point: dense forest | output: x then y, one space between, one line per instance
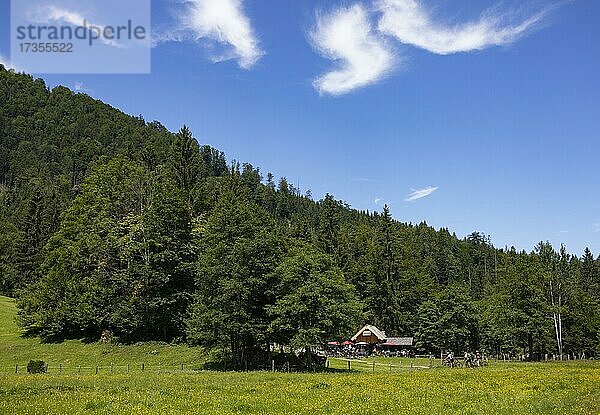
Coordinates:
114 226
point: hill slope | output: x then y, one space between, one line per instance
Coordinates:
17 350
112 224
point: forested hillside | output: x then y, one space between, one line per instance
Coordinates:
114 226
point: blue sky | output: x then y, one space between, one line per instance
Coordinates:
489 110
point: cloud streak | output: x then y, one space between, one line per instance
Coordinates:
81 88
596 226
410 23
345 36
224 22
420 194
55 14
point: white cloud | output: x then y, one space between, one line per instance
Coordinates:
222 21
50 14
345 35
419 194
80 87
379 201
412 24
596 226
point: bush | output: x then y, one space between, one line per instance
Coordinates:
37 366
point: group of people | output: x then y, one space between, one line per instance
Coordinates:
469 360
357 352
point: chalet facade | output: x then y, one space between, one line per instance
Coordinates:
372 336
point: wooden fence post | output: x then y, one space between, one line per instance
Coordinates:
143 366
97 369
79 369
16 369
349 366
272 365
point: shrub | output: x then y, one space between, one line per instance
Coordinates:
37 366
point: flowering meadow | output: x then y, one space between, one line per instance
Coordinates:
106 379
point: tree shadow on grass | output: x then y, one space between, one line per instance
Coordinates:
277 362
84 337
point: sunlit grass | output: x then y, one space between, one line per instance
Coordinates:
561 390
71 354
394 388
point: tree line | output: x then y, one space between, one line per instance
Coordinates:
113 224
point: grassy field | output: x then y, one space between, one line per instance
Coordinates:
15 350
549 388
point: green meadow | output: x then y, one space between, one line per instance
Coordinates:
163 387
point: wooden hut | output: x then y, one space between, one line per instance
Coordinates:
369 334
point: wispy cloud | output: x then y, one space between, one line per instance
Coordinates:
419 194
49 14
53 13
596 226
81 88
345 35
379 201
221 21
411 23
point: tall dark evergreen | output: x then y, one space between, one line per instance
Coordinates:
185 161
590 274
329 224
